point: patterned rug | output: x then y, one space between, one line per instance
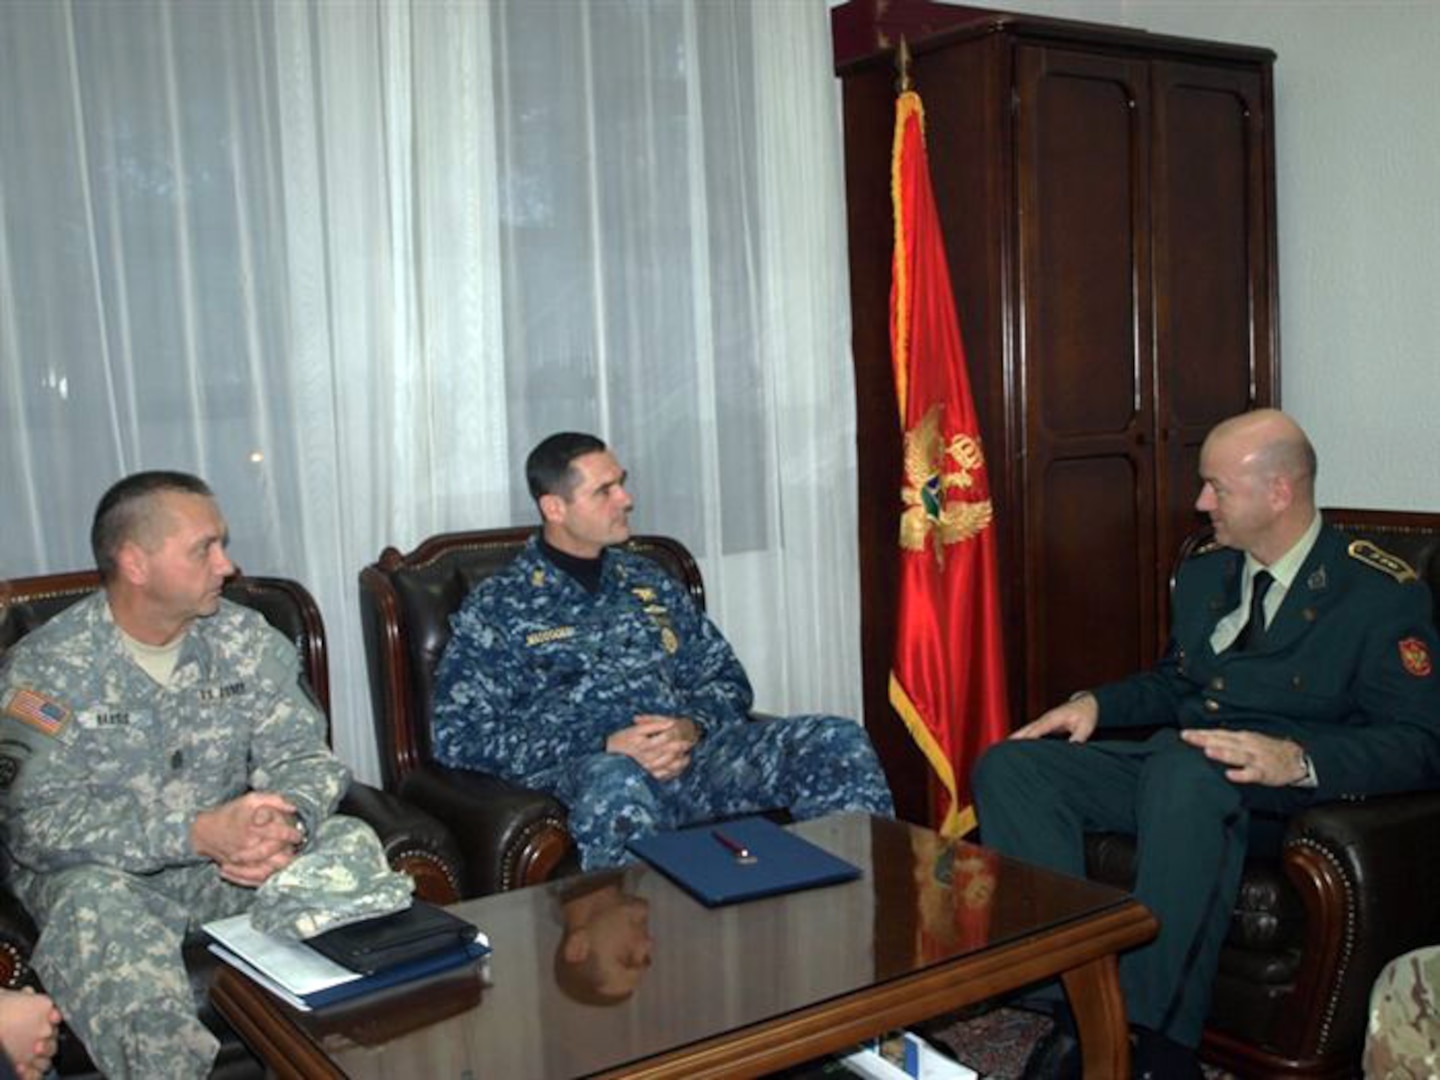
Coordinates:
994 1041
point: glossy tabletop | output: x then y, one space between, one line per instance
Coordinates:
647 981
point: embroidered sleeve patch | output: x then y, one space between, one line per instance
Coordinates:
1415 656
40 712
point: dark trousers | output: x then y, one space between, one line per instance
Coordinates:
1037 799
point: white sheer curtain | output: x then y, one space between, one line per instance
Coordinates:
349 260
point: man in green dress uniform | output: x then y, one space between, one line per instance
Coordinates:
1300 669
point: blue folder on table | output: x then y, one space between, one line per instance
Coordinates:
707 861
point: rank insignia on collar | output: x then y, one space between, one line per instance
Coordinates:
1415 657
40 712
1317 580
537 577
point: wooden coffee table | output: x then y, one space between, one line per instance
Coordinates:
657 985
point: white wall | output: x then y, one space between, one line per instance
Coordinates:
1357 146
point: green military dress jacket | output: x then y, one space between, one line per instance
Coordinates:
1346 667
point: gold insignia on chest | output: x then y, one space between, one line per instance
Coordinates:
1378 558
669 640
537 577
555 633
644 594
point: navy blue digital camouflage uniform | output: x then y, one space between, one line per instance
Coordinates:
539 672
1345 669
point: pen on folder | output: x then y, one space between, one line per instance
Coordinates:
740 851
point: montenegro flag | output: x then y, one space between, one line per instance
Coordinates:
947 681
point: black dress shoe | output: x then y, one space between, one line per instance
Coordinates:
1057 1055
1159 1058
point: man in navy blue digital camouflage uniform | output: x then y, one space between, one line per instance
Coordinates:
587 671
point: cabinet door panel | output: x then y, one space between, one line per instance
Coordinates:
1089 550
1211 224
1088 591
1083 203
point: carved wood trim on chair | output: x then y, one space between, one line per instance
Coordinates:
434 878
540 850
392 689
1329 898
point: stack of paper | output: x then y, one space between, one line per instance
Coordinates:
299 975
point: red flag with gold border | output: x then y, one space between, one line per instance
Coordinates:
947 680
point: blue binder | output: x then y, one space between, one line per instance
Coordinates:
741 860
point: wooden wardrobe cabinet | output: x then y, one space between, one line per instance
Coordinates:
1107 203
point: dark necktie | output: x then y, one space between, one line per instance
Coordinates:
1253 632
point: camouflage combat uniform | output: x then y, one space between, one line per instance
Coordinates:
102 772
540 672
1403 1039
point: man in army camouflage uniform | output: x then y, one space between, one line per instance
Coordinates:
1403 1039
586 671
161 765
1301 668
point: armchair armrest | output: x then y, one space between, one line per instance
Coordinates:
509 836
414 842
1367 872
17 939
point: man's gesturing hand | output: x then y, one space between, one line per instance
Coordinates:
249 838
1255 758
1077 718
660 744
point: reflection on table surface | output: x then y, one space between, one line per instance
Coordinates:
593 972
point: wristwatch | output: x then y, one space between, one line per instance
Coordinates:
1309 780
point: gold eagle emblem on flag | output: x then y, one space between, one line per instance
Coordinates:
934 469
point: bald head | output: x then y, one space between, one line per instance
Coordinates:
1258 482
1273 446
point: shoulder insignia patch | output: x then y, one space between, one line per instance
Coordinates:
44 714
1208 547
1379 559
1415 657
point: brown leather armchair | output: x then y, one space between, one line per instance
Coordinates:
414 842
512 836
1354 885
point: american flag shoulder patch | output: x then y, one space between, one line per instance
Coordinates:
40 712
